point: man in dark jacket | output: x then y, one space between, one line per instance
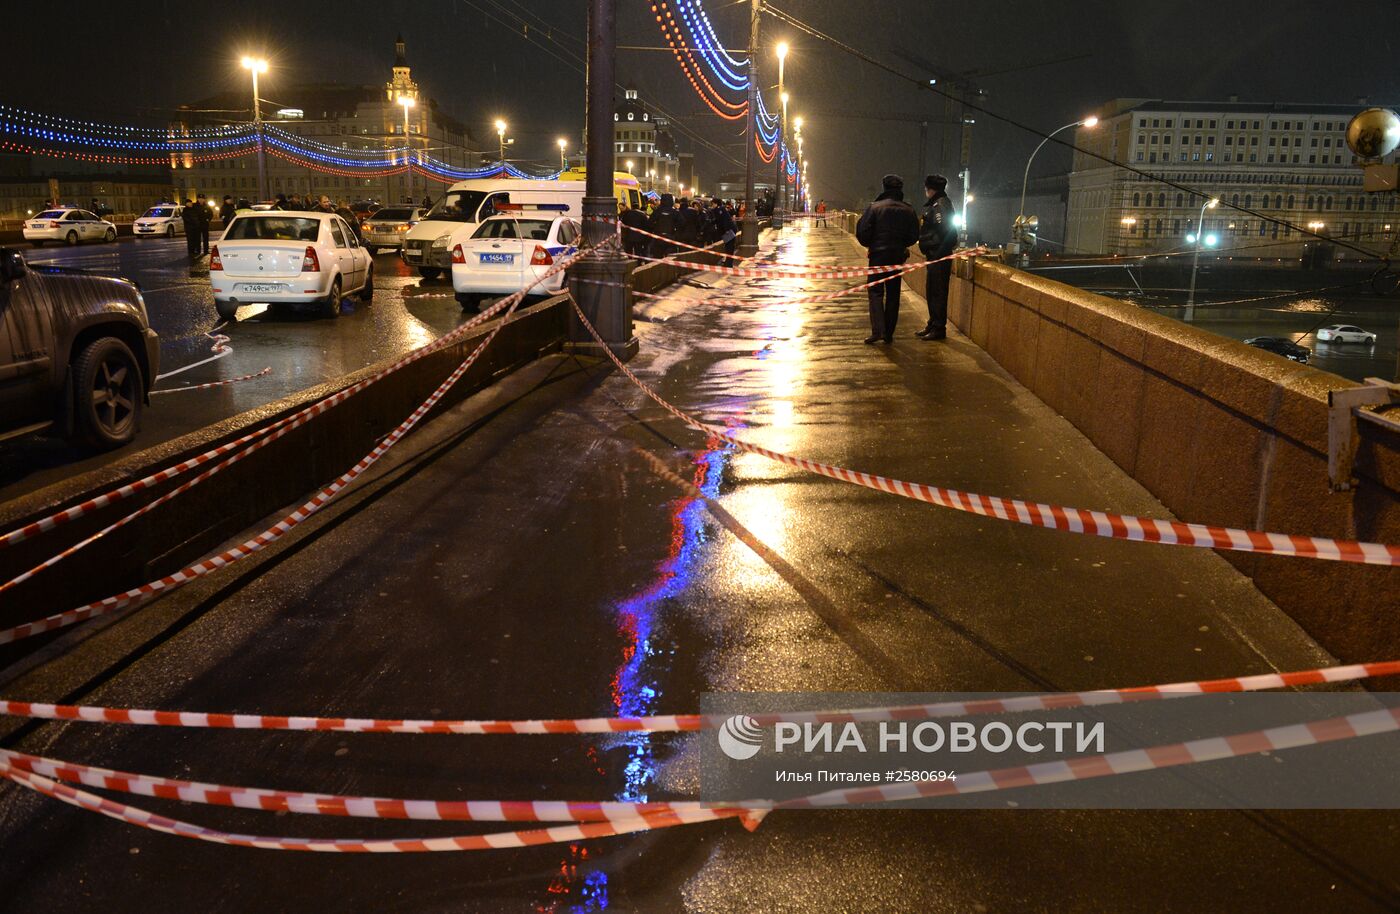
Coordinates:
227 210
634 243
206 216
193 225
938 237
666 222
690 224
886 229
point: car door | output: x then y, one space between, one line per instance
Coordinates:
88 226
344 256
359 256
26 353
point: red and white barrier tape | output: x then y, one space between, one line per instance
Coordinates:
1052 517
278 530
18 768
180 390
560 834
683 723
356 807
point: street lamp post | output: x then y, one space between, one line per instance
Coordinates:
801 165
501 138
1025 183
748 228
563 154
782 135
600 281
1212 203
256 65
408 102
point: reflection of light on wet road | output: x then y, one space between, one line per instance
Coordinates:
634 685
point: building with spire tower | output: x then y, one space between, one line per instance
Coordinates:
339 116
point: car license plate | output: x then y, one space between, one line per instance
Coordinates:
497 258
263 287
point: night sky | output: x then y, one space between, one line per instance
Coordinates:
143 57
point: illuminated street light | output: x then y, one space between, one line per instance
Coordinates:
501 136
563 154
408 102
1090 121
1211 241
256 65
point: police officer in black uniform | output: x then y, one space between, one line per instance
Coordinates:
886 229
938 238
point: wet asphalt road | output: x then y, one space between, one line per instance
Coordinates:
301 350
539 567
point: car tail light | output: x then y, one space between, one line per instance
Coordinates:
541 258
310 263
54 225
457 255
215 262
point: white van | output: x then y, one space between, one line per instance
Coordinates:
428 245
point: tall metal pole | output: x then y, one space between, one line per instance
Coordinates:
408 155
748 240
258 126
601 281
779 185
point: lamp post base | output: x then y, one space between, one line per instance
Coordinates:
748 236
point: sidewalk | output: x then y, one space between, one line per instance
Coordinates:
541 567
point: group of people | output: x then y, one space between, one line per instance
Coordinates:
697 223
198 214
887 229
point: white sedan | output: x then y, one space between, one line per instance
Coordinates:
512 252
1346 333
162 220
68 226
289 258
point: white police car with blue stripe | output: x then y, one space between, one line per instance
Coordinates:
514 251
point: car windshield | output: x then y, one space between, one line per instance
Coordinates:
534 229
52 214
457 206
273 228
394 214
159 212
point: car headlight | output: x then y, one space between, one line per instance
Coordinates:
442 240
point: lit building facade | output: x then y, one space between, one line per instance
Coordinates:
340 117
1288 162
646 141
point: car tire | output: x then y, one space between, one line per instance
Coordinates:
71 238
469 301
330 305
367 293
109 390
430 272
170 231
110 236
227 310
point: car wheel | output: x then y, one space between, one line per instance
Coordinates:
170 231
110 236
367 293
71 238
227 310
109 392
330 305
429 272
469 301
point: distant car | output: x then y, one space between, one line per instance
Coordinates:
163 219
363 209
77 353
1280 346
386 228
288 258
511 252
69 226
1345 333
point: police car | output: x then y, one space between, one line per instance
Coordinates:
161 219
69 225
514 251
